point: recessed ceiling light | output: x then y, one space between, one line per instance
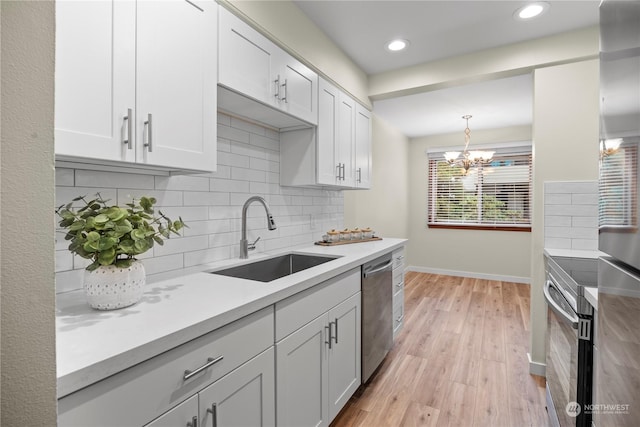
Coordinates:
397 45
531 10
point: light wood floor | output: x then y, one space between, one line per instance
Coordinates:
461 360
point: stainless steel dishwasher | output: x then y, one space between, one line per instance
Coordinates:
377 323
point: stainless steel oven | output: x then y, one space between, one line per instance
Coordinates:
569 340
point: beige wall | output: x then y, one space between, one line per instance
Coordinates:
565 136
28 300
285 23
479 253
385 207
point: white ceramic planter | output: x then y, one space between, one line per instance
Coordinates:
110 287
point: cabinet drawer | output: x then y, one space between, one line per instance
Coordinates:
139 394
398 311
398 280
398 258
298 310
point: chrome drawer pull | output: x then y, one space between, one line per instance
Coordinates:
328 328
400 318
336 337
210 362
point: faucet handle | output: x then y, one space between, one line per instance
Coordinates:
252 246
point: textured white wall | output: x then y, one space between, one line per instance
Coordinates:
210 204
477 253
384 208
28 299
565 126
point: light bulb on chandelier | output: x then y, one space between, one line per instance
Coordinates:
469 158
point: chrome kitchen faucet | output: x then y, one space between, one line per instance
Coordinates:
271 224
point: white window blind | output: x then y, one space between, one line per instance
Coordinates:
618 187
495 195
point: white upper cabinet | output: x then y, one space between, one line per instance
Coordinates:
250 64
346 115
363 148
95 78
337 153
136 83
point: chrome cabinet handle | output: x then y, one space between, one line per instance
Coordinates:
336 323
277 82
284 98
400 318
399 284
214 414
339 176
342 171
328 341
360 175
210 362
149 127
193 422
127 119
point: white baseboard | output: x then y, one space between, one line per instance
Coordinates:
515 279
536 368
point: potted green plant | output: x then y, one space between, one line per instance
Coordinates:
111 237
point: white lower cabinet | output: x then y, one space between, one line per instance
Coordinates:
224 359
183 415
245 397
318 364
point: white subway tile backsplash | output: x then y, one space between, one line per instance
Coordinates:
585 221
233 134
584 244
182 182
205 198
64 177
584 199
85 178
557 221
571 215
176 245
210 204
163 198
233 160
249 175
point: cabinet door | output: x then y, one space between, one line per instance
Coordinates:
244 397
183 415
176 83
344 354
298 90
363 147
328 99
302 376
95 78
247 60
346 136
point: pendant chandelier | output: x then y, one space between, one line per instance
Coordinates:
469 158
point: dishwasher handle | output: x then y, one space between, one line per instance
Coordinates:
553 305
386 266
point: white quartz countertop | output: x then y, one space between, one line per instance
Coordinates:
591 294
573 253
92 345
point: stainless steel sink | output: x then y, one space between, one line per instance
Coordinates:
274 268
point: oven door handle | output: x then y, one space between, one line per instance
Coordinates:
567 317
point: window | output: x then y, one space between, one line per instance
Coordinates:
494 196
618 188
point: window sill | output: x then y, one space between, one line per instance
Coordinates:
481 227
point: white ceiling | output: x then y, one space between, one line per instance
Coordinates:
437 30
